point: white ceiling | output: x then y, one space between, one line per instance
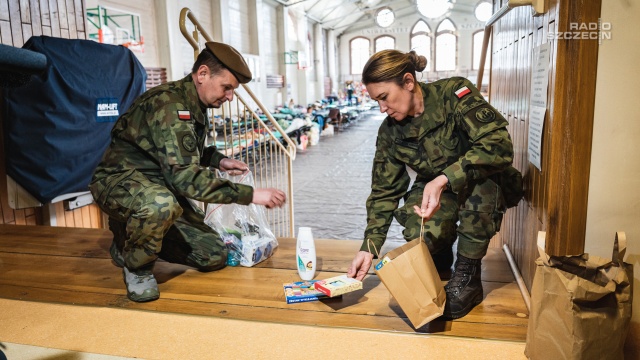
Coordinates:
343 15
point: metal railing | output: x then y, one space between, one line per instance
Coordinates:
239 132
539 7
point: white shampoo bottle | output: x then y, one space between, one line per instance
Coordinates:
306 254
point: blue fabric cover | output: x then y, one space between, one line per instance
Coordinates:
57 127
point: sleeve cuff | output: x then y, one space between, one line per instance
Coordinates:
377 243
245 194
457 178
216 158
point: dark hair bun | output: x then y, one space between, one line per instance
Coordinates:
419 61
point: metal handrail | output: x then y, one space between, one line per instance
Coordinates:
539 7
289 149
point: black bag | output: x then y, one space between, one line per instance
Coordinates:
58 126
510 181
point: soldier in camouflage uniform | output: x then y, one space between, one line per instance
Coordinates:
459 147
157 163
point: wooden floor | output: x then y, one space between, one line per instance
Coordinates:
72 266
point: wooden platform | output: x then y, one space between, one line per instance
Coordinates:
72 266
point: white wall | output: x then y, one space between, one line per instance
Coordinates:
259 29
614 182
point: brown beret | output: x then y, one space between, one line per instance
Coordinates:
231 59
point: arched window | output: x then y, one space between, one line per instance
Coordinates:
359 54
446 42
385 42
478 36
421 41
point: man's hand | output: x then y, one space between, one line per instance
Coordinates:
233 166
431 197
269 197
360 265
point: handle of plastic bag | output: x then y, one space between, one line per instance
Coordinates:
619 247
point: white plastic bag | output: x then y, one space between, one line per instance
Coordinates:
243 228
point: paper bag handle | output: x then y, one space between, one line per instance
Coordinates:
369 243
541 247
619 247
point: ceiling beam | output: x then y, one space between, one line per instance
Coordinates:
361 10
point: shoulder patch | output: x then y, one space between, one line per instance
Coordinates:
184 115
189 142
485 114
462 92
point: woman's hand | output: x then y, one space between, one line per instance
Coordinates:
233 166
431 197
360 265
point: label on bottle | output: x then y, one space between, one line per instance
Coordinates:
301 266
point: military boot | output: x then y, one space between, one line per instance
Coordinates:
119 230
141 284
443 260
116 255
464 289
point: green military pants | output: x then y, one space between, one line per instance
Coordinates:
148 221
479 212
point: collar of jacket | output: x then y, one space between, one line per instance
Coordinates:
192 100
430 119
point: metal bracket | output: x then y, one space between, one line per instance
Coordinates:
78 202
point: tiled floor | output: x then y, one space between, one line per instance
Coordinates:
335 174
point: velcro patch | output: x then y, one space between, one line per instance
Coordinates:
462 92
485 114
184 115
189 143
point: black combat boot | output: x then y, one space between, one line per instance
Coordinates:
464 289
443 260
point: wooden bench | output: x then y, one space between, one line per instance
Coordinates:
72 266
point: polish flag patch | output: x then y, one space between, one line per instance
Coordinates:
462 92
184 115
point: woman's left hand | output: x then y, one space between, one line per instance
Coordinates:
233 166
431 197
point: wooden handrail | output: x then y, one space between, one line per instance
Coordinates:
539 7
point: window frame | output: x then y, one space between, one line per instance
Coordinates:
430 35
442 32
351 53
375 45
473 50
375 16
476 7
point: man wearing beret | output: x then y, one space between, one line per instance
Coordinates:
157 162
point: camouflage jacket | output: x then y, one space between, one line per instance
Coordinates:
458 134
162 135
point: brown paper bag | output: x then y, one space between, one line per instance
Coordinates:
580 305
411 277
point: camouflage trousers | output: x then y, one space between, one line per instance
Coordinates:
473 218
148 221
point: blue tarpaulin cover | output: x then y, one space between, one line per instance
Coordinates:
58 126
